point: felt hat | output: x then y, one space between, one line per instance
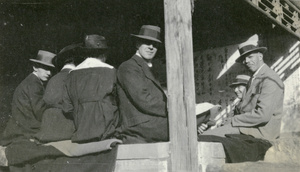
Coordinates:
240 80
93 45
44 58
95 42
248 47
66 54
149 32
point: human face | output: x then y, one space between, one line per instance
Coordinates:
239 90
147 49
43 73
253 61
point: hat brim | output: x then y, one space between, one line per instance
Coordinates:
237 83
61 59
43 63
258 49
204 107
146 37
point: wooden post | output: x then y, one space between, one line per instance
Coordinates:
181 86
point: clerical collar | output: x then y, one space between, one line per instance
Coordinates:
148 63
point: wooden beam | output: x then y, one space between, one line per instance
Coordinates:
181 86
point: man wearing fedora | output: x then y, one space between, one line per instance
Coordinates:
260 110
90 93
142 101
28 104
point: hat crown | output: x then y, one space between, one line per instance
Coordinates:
44 57
149 32
240 80
95 41
249 46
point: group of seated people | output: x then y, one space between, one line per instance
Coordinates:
89 105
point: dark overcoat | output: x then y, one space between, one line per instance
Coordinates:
90 97
55 126
142 103
27 110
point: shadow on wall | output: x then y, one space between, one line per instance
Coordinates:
215 69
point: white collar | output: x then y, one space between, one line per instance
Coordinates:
148 63
91 62
68 66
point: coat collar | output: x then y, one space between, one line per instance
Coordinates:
145 68
91 62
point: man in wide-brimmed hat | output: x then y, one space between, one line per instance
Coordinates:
28 104
90 93
260 110
142 101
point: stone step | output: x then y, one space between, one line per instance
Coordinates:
257 167
154 157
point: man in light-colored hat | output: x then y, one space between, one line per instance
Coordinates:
239 87
28 104
260 110
142 101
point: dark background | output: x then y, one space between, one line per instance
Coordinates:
27 26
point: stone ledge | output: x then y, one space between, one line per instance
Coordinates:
154 157
143 151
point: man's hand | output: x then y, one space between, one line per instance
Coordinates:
202 128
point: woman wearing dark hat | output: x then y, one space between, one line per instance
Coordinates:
90 93
142 101
55 126
28 104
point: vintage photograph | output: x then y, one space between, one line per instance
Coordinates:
149 85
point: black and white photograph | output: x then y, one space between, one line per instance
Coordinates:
149 85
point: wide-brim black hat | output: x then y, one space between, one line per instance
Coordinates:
66 55
248 47
149 32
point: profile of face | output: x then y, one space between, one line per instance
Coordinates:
239 90
147 49
42 72
253 61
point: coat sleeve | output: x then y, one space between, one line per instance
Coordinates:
138 90
38 105
67 105
269 98
52 94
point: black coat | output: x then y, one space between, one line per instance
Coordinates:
142 102
27 110
90 96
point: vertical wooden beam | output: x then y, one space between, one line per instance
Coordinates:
181 86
